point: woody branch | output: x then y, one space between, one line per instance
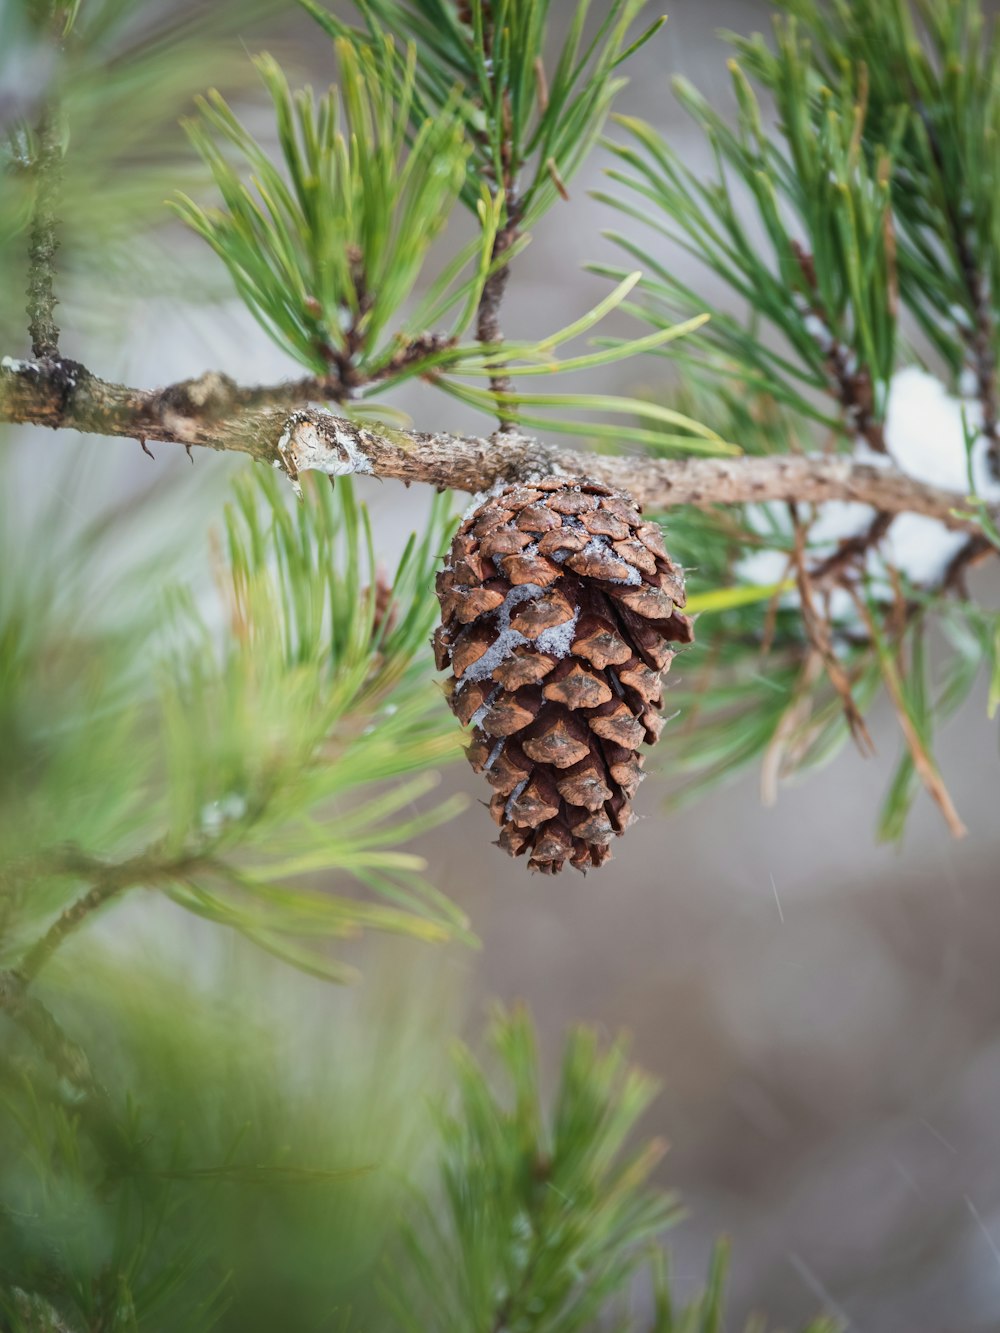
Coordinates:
213 412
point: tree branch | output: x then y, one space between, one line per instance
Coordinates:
108 881
852 551
212 412
65 1056
980 339
488 330
42 239
850 383
922 761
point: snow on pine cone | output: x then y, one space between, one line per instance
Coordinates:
559 606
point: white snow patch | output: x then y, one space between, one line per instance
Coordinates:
16 367
925 437
481 497
599 549
512 798
477 717
558 640
493 756
507 639
217 814
840 519
818 331
762 568
839 606
921 547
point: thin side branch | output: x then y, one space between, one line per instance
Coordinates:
108 881
851 552
66 1057
43 241
980 340
488 330
212 412
850 383
981 343
817 630
925 766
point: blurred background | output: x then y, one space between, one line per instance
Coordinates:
823 1012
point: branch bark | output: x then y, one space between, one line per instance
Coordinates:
212 412
850 384
43 241
488 330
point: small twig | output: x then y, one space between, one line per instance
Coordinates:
488 330
109 880
818 632
974 552
91 1101
771 614
64 925
922 761
851 551
43 241
65 1056
850 384
981 338
795 716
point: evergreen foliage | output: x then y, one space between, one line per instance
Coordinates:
528 132
203 752
126 72
326 281
857 218
326 261
170 1157
251 1164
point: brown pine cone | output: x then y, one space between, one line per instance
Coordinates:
558 607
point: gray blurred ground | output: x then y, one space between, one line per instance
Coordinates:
824 1013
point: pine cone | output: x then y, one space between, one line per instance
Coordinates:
558 607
